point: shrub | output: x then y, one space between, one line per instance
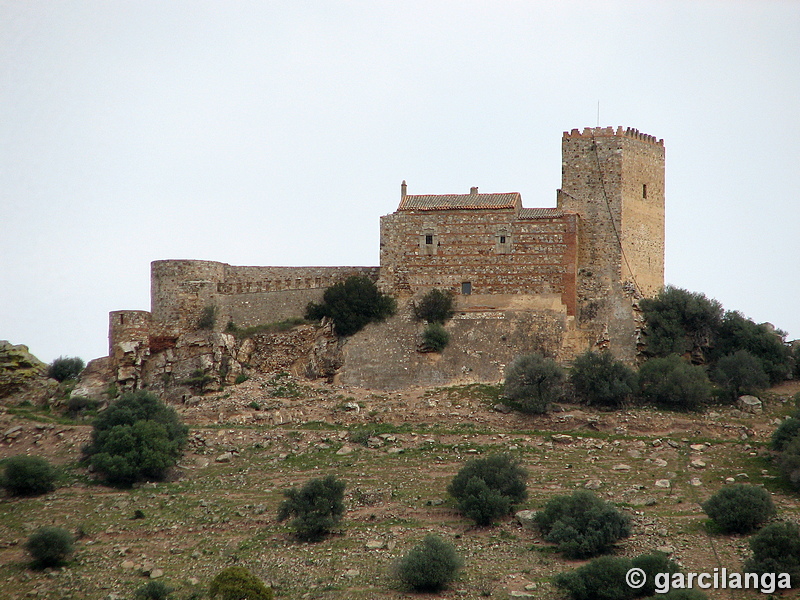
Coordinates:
582 525
776 549
736 332
435 337
599 379
237 583
488 488
739 508
785 433
208 318
601 579
680 322
789 461
65 367
153 590
652 564
436 306
681 594
317 508
78 404
429 566
28 476
533 382
49 546
740 373
352 304
137 437
671 382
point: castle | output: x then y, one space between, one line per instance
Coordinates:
558 280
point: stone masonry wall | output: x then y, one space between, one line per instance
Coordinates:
494 250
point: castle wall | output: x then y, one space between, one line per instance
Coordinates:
494 250
248 296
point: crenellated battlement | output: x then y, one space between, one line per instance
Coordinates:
595 132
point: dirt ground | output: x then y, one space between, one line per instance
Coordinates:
397 453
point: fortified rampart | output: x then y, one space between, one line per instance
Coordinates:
556 280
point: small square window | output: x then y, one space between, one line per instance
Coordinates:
466 288
502 239
428 238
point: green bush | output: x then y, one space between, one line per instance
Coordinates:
80 404
740 508
740 373
352 304
776 549
153 590
785 433
49 546
436 306
582 525
599 379
237 583
680 594
316 508
435 337
601 579
652 564
208 318
736 332
65 367
137 437
28 476
533 383
430 566
680 322
488 488
789 461
671 382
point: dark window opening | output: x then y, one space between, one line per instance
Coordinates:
428 238
502 239
644 190
466 288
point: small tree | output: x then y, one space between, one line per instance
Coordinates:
582 525
671 382
317 508
740 373
28 476
601 579
599 379
680 322
430 566
435 337
740 508
776 549
208 318
789 461
488 488
352 304
49 546
436 306
533 383
652 564
737 332
785 433
237 583
65 367
153 590
137 437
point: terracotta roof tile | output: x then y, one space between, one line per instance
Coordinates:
541 213
460 201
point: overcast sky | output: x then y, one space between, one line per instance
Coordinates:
277 133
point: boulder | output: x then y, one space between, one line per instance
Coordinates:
750 405
21 372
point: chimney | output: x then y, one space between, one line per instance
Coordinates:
403 189
473 191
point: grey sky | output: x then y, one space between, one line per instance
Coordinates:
277 133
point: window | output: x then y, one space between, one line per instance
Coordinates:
428 238
644 190
502 239
466 288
